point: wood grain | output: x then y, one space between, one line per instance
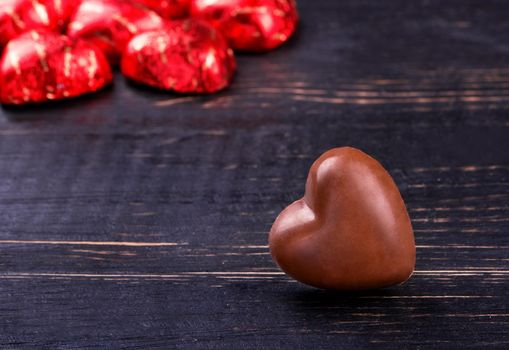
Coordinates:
138 219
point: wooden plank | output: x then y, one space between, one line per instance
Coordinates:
138 219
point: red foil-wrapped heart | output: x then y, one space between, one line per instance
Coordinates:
171 9
40 65
186 56
19 16
250 25
110 24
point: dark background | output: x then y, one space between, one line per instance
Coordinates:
423 86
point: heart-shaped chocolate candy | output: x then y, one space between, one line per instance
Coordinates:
20 16
250 25
350 231
38 66
186 56
110 24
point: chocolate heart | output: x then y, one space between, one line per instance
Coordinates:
250 25
20 16
186 56
110 24
38 66
350 231
173 9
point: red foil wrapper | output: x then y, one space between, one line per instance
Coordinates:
62 10
110 24
186 56
170 9
40 65
19 16
250 25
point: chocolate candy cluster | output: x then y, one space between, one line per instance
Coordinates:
56 49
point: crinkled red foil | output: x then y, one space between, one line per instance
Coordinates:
112 23
186 56
250 25
40 65
170 9
19 16
62 10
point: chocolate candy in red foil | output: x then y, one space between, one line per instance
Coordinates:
350 231
110 24
19 16
187 56
38 66
250 25
170 9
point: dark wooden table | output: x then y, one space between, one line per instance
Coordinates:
138 219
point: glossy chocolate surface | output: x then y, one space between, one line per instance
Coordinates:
350 231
